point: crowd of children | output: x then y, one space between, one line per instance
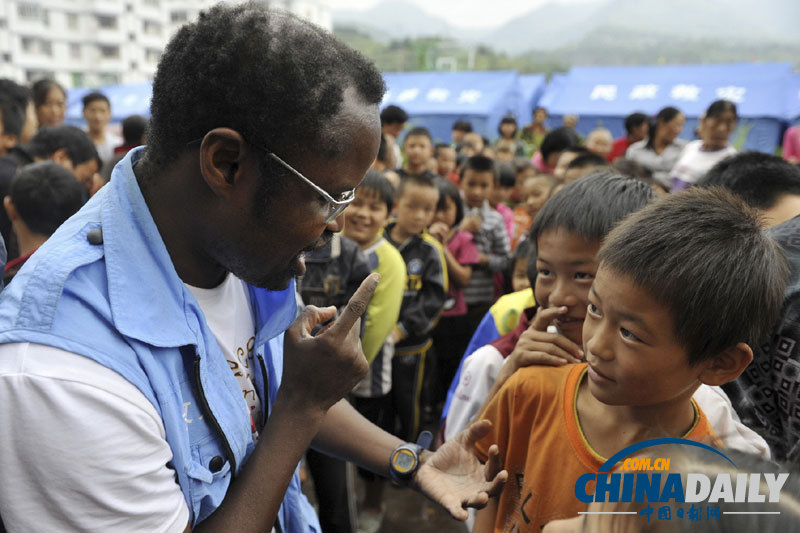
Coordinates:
549 292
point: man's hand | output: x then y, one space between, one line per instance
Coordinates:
321 370
471 224
453 476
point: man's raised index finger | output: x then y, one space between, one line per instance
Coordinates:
357 305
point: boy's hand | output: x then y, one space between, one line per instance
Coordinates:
335 354
455 478
536 346
439 231
471 224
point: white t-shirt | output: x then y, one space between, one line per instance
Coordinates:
106 149
694 162
57 406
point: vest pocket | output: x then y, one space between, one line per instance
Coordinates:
209 473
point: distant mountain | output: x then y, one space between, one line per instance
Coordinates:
557 24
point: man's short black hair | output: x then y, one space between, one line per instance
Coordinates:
426 179
760 179
40 89
507 178
12 116
95 96
393 114
439 147
588 159
448 189
276 79
634 120
19 94
558 140
480 163
463 125
376 182
703 255
418 131
74 141
133 129
45 194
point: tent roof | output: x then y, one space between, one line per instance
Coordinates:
758 89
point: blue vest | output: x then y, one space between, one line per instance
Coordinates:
118 301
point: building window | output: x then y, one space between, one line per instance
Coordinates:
152 3
179 17
75 50
107 22
107 78
152 55
3 23
134 65
29 11
131 37
28 44
109 52
72 21
46 47
152 28
77 79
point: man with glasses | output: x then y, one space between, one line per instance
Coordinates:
154 375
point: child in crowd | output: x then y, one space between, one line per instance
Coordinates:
365 218
445 156
97 112
681 290
385 163
522 169
418 149
423 298
566 157
451 334
519 268
501 195
476 140
600 141
479 176
583 165
555 142
699 156
534 192
41 197
460 128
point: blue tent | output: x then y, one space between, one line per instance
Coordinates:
532 87
436 100
793 99
605 95
128 99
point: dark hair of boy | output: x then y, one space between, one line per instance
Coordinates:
448 189
382 149
13 116
480 163
634 169
558 140
718 107
440 146
95 96
634 120
587 160
393 114
188 101
589 208
665 115
418 180
464 144
523 251
75 142
40 89
508 119
418 131
463 125
45 194
704 256
759 179
375 182
18 94
133 129
507 178
520 164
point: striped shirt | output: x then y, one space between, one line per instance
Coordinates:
492 241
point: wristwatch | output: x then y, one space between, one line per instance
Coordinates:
404 460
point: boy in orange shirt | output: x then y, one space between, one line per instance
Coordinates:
683 288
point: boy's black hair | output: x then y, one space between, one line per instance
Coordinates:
418 131
382 150
718 107
448 189
508 119
634 120
420 180
520 164
440 146
589 208
95 96
704 256
12 115
40 89
634 169
665 115
74 141
17 93
523 251
393 114
587 159
133 129
558 140
275 78
45 194
480 163
507 178
375 181
759 179
463 125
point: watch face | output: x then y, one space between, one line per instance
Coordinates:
404 460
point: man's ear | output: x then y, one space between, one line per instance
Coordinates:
11 211
727 366
221 154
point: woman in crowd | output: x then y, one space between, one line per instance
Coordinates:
661 150
50 100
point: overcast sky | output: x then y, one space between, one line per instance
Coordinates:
468 13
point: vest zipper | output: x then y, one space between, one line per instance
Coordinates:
264 415
214 422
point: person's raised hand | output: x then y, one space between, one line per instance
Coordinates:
471 224
439 231
321 370
456 479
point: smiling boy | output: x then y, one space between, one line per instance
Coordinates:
682 289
